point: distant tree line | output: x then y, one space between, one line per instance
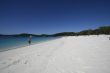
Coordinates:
100 30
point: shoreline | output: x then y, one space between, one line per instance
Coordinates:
21 46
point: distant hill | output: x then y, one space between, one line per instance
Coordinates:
25 35
100 30
65 34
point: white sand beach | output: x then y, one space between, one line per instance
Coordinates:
73 54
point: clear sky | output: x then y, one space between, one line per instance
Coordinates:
52 16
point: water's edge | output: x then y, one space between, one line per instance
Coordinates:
24 45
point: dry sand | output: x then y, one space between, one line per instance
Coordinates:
82 54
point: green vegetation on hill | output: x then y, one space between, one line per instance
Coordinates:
100 30
65 34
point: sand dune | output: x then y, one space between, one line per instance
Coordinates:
82 54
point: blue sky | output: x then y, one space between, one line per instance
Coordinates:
52 16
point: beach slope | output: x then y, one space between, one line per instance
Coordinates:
73 54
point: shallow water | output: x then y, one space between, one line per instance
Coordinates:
7 43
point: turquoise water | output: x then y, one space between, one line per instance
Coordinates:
8 43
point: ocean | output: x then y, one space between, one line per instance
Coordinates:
9 43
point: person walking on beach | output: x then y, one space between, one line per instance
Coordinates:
30 39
